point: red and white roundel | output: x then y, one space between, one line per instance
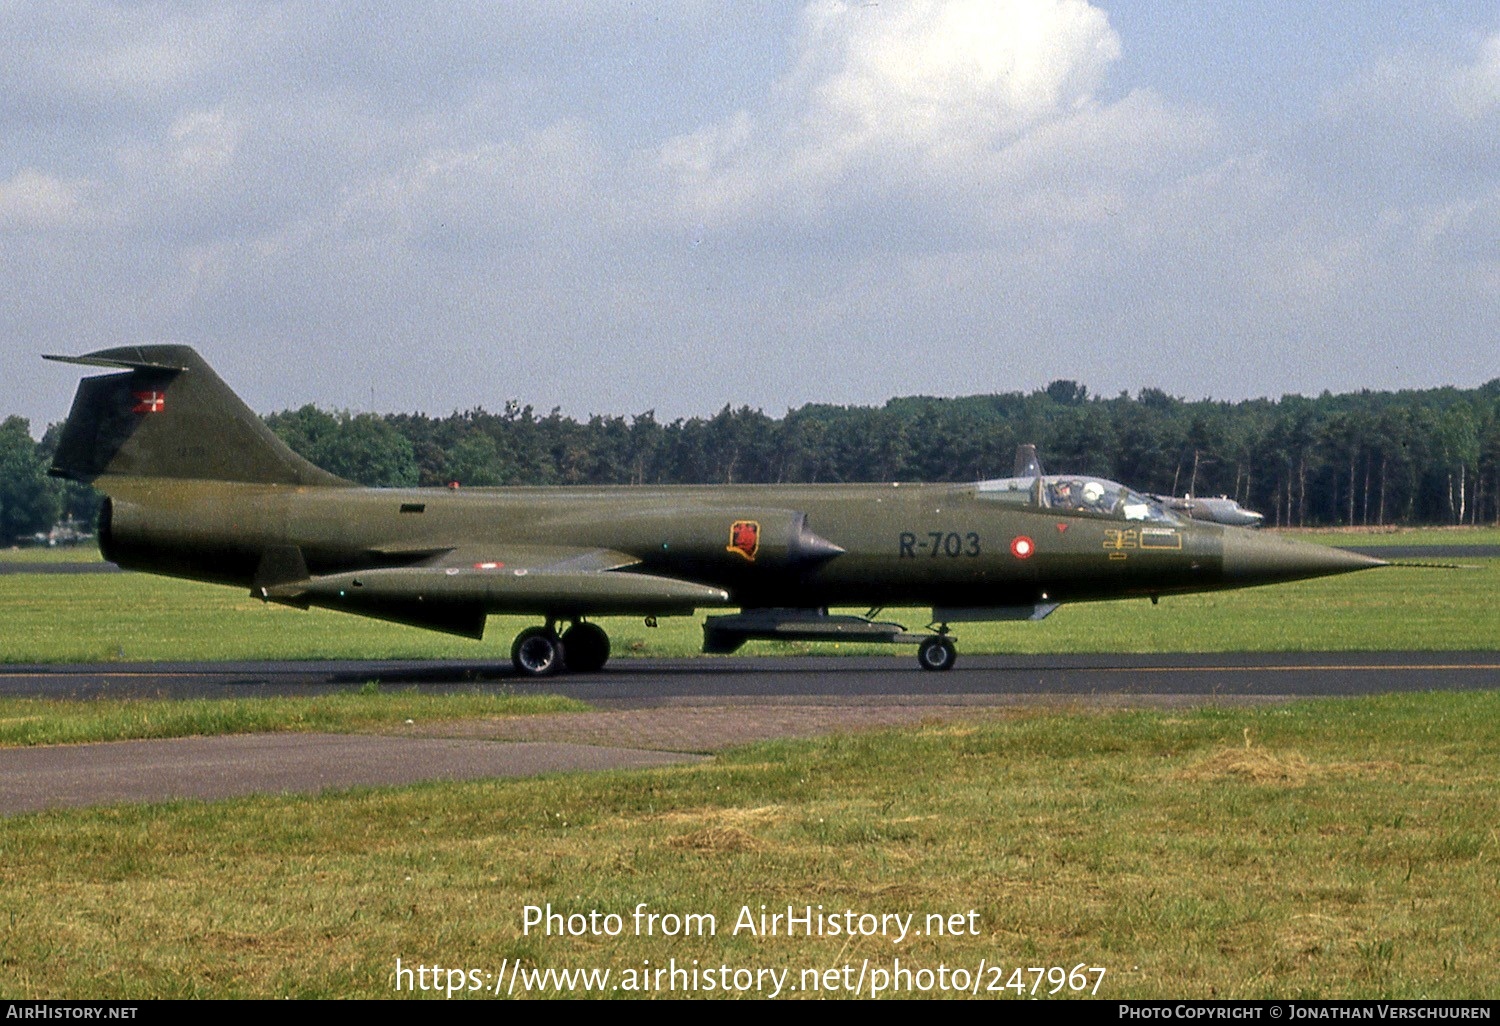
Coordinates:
1022 547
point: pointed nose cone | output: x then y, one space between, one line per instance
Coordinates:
1254 558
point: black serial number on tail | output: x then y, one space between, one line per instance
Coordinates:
939 543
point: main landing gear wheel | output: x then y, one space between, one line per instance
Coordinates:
537 652
586 647
937 653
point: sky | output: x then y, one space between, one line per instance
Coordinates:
614 207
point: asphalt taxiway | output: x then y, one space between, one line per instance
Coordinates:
653 681
650 712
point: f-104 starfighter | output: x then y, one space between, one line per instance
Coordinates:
197 486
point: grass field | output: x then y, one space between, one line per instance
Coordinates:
1372 536
52 554
116 617
1326 849
42 721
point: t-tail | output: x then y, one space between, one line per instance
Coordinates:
168 415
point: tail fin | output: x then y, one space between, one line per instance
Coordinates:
171 416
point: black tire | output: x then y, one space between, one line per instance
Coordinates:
537 652
937 654
586 647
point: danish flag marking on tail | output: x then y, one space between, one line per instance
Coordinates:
149 402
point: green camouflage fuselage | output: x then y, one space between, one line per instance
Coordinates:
937 545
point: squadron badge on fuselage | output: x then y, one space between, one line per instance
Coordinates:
744 538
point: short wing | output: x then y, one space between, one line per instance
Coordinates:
454 590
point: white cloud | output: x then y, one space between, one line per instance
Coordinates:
885 98
1462 90
1407 153
937 73
31 199
1418 121
1476 86
541 184
133 54
203 144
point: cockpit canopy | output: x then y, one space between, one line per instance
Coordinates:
1069 493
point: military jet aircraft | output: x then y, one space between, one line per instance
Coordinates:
197 486
1222 510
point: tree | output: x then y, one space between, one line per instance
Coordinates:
362 448
1458 444
79 502
1067 393
477 461
29 500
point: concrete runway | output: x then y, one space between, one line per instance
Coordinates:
652 712
240 764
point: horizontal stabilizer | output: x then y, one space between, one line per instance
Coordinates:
120 359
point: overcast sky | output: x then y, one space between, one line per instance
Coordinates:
673 205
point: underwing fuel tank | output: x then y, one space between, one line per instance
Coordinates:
460 598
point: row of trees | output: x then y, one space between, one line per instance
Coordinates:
1370 458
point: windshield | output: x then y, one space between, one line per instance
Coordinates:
1066 493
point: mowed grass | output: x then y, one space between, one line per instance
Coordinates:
44 721
127 617
1364 537
52 554
1320 850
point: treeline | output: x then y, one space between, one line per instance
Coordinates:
1368 458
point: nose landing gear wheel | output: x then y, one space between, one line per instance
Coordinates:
537 652
937 653
586 647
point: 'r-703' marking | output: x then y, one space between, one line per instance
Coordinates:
939 543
